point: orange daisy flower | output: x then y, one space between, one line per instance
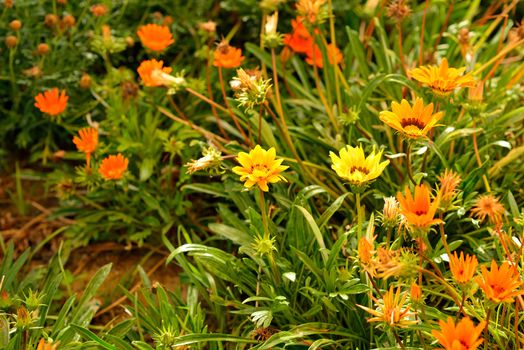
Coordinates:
412 122
87 142
442 79
155 37
500 284
299 40
392 310
490 207
146 69
43 345
418 211
314 55
463 268
113 167
462 336
227 56
52 102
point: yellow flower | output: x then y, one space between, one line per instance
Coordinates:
442 79
353 166
259 167
412 122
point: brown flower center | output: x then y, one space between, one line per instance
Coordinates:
360 169
412 122
420 212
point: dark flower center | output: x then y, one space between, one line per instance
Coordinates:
420 212
413 122
363 170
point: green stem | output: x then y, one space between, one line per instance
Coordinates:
408 161
262 204
359 216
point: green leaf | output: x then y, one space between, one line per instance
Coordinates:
87 334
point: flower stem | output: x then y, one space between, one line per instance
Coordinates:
408 161
262 205
488 316
477 156
231 114
359 216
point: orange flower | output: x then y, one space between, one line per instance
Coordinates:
415 292
462 336
98 10
391 310
299 40
442 79
227 56
500 284
146 69
155 37
463 268
43 345
113 167
411 121
314 55
418 211
365 249
449 182
52 102
87 142
490 207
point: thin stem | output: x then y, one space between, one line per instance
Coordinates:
210 93
334 52
399 341
231 114
422 30
400 48
488 316
477 156
280 110
443 235
408 161
263 212
359 216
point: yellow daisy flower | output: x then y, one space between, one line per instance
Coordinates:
353 166
259 167
442 79
412 122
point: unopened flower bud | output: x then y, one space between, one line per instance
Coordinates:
85 81
42 49
51 20
11 41
15 25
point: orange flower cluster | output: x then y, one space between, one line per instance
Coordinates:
52 102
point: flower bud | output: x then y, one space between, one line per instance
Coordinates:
11 41
85 81
51 20
43 49
15 25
